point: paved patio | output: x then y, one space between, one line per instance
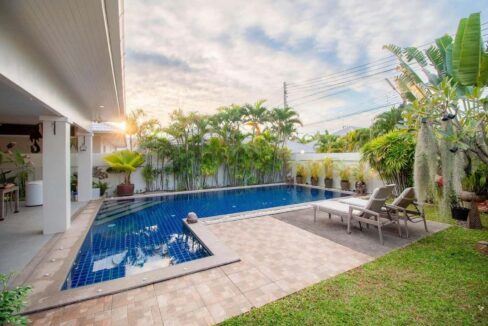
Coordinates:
277 259
365 241
21 236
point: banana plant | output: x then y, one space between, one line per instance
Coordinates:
469 59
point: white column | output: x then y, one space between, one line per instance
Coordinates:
85 166
56 174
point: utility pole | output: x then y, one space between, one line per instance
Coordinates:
285 95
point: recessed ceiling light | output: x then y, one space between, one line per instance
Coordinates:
101 106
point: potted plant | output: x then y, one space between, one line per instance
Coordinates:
329 172
345 175
300 172
126 162
314 172
100 175
360 175
458 212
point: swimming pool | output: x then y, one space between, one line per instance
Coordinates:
136 235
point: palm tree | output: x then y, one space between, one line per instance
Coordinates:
386 121
256 115
132 124
285 122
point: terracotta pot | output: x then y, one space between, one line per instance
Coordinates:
345 185
299 179
125 189
315 181
360 188
328 183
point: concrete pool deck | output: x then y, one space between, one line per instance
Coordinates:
277 259
21 236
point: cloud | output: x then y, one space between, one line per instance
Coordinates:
200 55
155 58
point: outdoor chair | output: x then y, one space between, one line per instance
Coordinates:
405 206
372 213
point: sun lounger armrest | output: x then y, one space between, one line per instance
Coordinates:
353 208
395 208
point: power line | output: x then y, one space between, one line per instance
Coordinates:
357 73
363 66
353 113
335 93
342 72
344 83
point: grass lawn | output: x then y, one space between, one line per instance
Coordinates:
440 280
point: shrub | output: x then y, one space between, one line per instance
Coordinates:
392 155
328 167
315 169
12 302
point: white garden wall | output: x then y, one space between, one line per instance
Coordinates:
351 159
346 159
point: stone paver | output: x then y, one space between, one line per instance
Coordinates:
277 259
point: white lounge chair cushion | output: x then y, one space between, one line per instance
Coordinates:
354 201
333 207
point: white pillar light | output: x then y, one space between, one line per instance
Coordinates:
85 166
56 174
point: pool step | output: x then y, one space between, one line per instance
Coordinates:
119 212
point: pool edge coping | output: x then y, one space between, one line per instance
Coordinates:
220 255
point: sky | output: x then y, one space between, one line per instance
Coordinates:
202 55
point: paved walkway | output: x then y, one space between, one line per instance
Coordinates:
277 259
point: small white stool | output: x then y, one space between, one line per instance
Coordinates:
33 193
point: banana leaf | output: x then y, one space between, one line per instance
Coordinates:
467 51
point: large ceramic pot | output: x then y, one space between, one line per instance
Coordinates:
360 188
315 181
328 182
125 189
299 179
345 185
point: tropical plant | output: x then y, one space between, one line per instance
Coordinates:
300 170
477 181
12 301
386 121
330 144
247 143
328 164
102 185
125 161
315 168
255 116
392 155
21 167
451 99
354 140
345 173
360 172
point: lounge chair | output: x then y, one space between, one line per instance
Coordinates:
372 213
400 207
